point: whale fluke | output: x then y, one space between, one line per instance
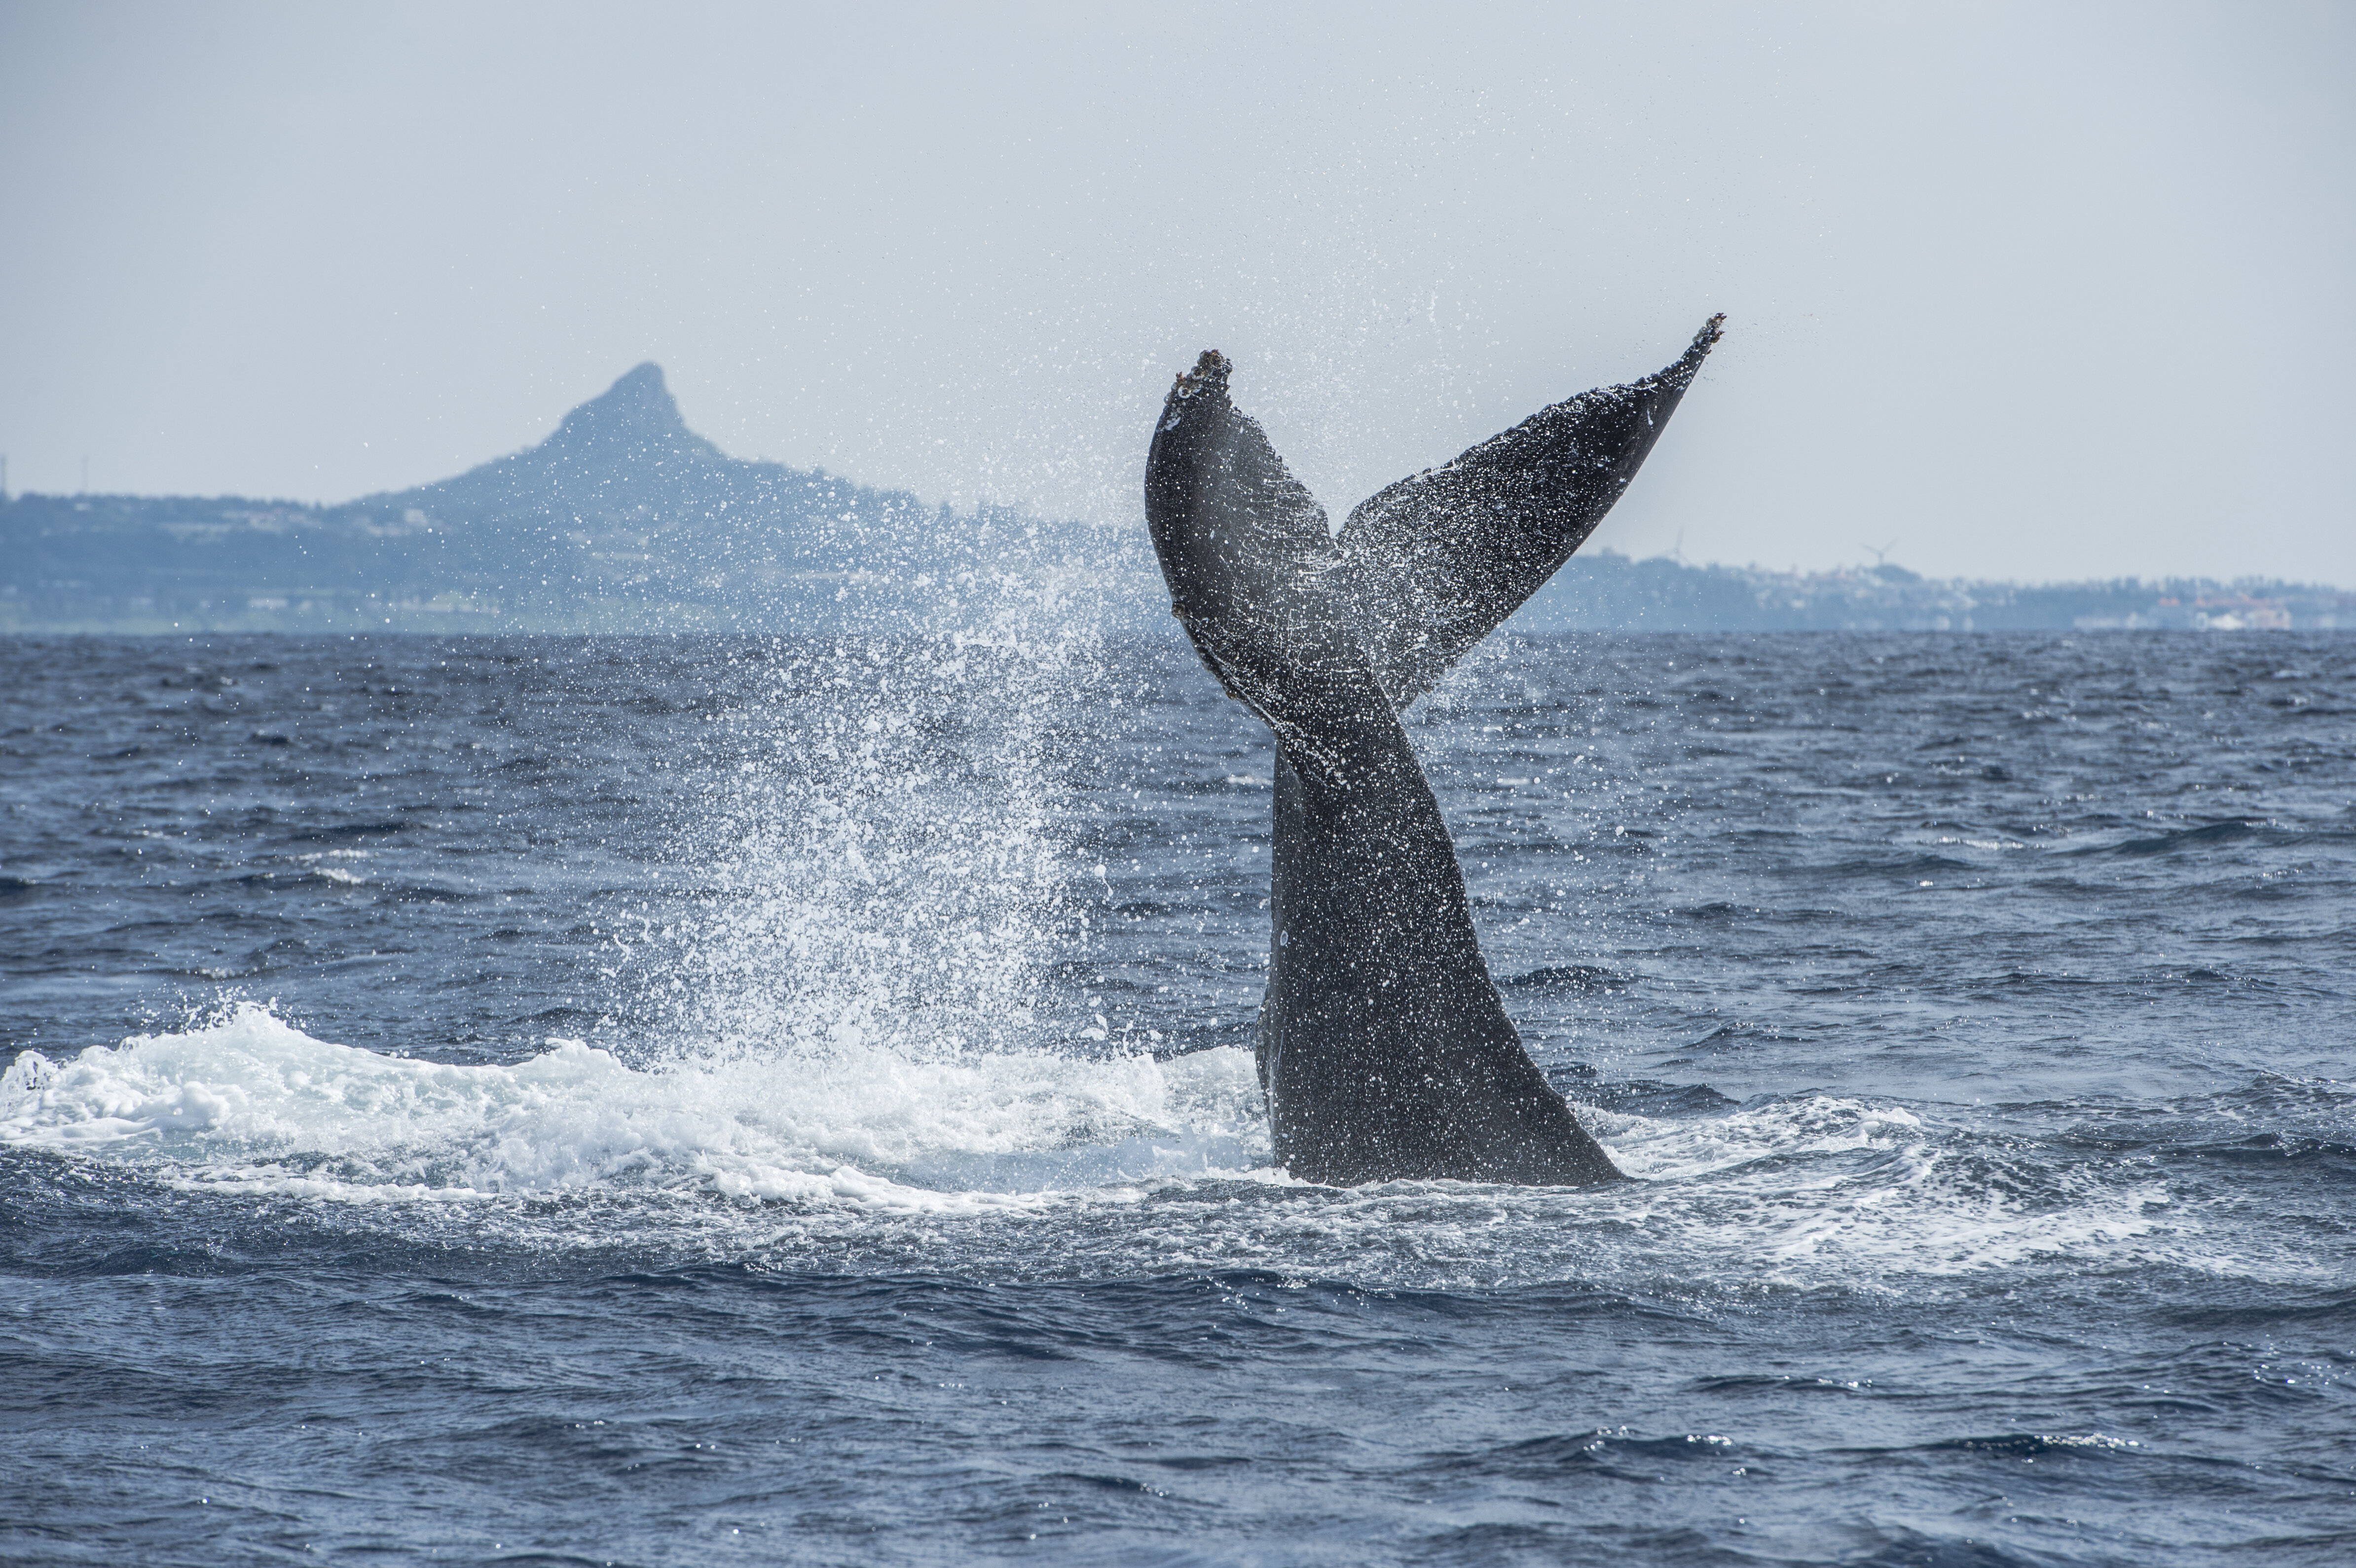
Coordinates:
1439 560
1382 1045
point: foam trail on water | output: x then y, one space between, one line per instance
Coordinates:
249 1100
1813 1192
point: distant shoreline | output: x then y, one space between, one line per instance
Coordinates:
625 521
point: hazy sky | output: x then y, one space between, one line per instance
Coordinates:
2028 290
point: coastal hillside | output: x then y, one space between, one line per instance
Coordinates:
623 520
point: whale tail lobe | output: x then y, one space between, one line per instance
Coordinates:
1440 558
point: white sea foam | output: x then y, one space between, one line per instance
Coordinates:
1820 1188
1813 1191
250 1101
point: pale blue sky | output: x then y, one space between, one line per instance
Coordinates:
2033 291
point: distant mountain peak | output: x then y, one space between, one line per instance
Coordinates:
635 412
625 450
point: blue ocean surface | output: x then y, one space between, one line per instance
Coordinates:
703 1101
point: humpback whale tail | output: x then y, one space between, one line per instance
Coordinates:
1383 1047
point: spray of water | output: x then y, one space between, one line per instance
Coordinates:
882 855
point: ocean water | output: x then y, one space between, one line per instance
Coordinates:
687 1101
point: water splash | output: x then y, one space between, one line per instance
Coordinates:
247 1102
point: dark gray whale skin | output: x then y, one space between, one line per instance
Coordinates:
1382 1045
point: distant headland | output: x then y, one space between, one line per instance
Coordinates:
625 519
